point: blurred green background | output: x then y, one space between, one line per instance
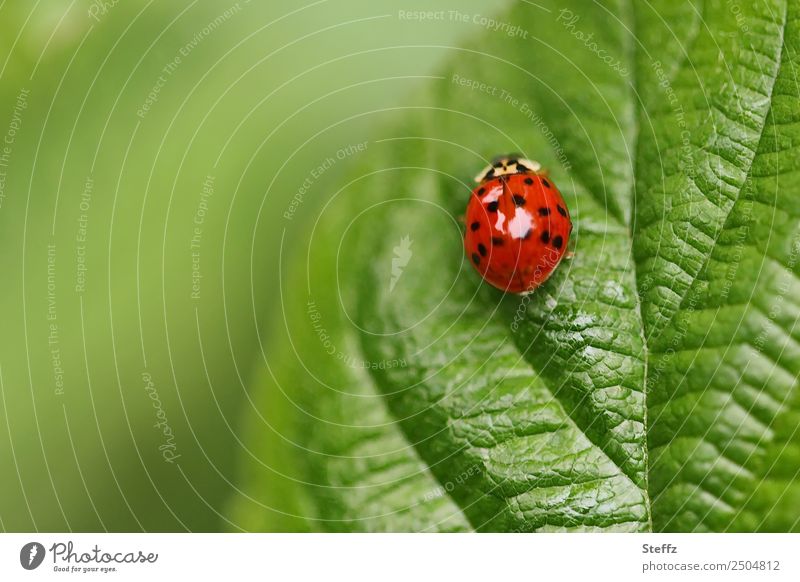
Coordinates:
150 152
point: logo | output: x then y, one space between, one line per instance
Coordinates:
31 555
402 255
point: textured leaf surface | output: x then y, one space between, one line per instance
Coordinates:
651 384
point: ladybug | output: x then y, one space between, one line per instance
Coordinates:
518 225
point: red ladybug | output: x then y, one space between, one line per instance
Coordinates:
518 225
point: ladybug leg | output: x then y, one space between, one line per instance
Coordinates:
462 219
569 255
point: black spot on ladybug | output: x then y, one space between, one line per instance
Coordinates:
492 206
475 226
546 183
476 259
482 249
513 161
519 200
529 181
528 234
496 240
489 174
544 212
558 241
481 191
546 237
561 211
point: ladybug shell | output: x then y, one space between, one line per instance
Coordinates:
518 228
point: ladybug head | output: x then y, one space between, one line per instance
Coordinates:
510 164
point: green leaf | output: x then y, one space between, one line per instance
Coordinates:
650 384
